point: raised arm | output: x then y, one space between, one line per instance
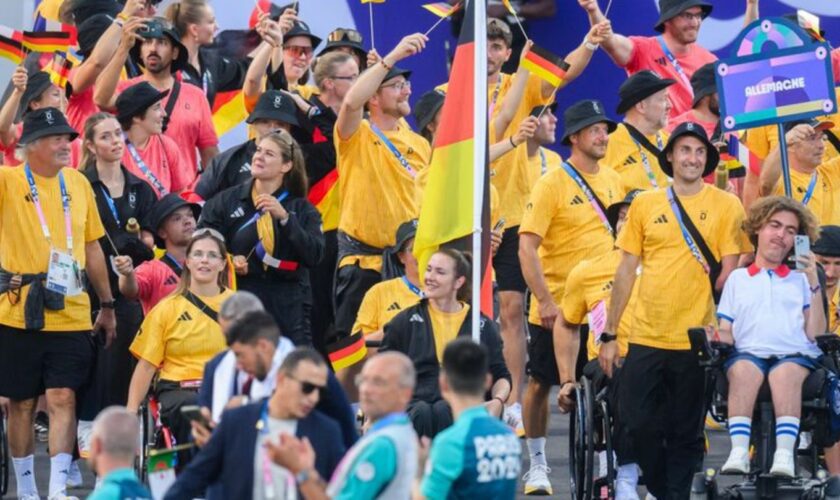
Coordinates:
105 91
10 107
272 34
618 47
579 58
752 12
771 169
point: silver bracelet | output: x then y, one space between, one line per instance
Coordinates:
590 46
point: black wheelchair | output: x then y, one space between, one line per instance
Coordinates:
759 483
5 457
590 429
153 435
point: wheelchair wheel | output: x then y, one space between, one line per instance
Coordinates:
582 443
5 457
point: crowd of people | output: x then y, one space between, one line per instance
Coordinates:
268 300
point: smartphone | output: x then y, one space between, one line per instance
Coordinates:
801 248
193 412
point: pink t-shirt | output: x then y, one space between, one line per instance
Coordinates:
648 54
80 107
155 280
8 150
163 158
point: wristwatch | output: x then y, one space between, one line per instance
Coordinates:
107 304
303 476
607 337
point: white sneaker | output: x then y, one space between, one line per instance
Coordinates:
650 497
74 476
626 481
738 462
536 480
513 418
782 463
29 496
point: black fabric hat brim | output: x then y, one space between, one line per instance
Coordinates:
677 9
156 220
712 155
178 63
395 72
703 92
641 94
577 127
427 118
139 107
400 243
34 89
47 132
266 114
613 210
360 51
828 244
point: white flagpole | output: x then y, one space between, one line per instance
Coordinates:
479 152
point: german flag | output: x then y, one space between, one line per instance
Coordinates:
228 111
509 7
59 69
456 199
545 65
324 195
10 45
347 351
442 9
48 41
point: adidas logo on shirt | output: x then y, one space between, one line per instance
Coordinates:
239 212
245 168
630 160
172 280
661 61
661 220
607 287
416 318
185 316
393 307
577 200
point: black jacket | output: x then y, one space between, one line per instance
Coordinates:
300 240
229 168
219 73
410 332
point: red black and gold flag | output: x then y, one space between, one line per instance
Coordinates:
48 41
545 65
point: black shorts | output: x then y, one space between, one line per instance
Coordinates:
506 263
351 284
31 362
542 364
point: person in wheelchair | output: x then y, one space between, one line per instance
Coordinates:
771 315
587 294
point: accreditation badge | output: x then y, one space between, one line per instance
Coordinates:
63 274
598 320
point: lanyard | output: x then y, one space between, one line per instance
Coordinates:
153 180
495 96
259 248
65 203
268 480
810 191
670 55
174 262
543 162
258 214
692 245
111 205
646 162
415 290
589 195
205 81
396 152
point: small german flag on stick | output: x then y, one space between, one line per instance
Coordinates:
11 47
48 41
347 351
441 9
545 65
59 69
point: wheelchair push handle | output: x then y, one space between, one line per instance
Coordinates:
829 343
709 353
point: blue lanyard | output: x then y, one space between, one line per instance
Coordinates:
810 191
205 81
65 203
173 261
396 152
670 55
155 182
415 290
692 245
589 195
111 204
388 420
645 162
258 214
494 98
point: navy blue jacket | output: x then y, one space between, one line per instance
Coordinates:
225 466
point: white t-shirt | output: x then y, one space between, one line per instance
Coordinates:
767 310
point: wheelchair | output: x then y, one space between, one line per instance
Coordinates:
759 483
590 429
5 456
153 435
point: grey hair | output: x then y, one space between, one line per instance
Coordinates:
408 375
119 432
239 304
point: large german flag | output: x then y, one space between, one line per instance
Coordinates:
456 198
228 111
48 41
10 44
545 65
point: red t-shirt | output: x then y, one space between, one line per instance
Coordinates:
648 54
190 126
80 107
155 280
163 158
8 150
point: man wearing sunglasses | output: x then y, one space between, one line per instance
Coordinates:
236 464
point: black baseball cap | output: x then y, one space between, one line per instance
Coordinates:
405 232
582 114
669 9
538 110
45 122
703 82
639 87
162 209
273 105
159 27
828 244
427 106
613 210
395 72
694 130
136 99
300 28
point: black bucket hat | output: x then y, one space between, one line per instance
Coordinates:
694 130
345 37
391 265
613 210
582 114
136 99
162 209
828 244
669 9
91 31
703 82
300 28
45 122
427 106
639 87
36 84
273 105
82 10
159 28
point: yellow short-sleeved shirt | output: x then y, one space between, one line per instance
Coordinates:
571 230
542 163
824 201
24 249
674 291
382 302
625 157
445 327
589 283
832 311
376 193
178 338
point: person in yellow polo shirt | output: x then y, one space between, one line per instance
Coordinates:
663 408
565 222
827 251
542 160
49 239
379 159
635 145
182 333
815 183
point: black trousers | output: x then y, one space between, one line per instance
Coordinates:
351 284
322 281
621 440
429 418
663 406
288 302
172 397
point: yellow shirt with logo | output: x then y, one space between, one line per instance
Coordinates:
542 163
25 250
823 203
381 303
674 291
445 327
590 283
571 231
376 193
625 157
178 338
833 320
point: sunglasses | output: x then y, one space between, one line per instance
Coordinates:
297 50
308 388
344 34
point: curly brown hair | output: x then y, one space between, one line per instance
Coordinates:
764 208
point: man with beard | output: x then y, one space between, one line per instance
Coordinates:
673 54
188 120
565 222
705 105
